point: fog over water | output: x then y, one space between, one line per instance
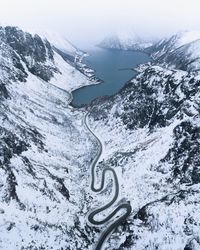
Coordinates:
86 22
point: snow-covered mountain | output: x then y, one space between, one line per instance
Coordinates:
68 51
181 50
60 42
150 135
42 160
125 41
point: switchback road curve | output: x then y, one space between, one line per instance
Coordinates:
122 206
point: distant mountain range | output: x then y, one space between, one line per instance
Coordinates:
125 41
182 50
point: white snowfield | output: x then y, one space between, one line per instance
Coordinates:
69 78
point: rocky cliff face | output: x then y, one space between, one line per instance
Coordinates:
35 53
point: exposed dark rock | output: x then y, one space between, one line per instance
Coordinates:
184 154
37 54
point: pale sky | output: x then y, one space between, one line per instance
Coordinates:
86 22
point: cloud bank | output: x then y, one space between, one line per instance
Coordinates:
86 22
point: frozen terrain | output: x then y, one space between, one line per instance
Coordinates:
150 136
43 163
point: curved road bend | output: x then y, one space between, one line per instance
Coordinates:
124 206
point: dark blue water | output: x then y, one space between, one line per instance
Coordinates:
109 66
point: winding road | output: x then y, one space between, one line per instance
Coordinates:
122 206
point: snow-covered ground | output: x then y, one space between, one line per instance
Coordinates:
181 51
150 134
44 149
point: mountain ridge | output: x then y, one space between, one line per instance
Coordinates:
181 51
40 157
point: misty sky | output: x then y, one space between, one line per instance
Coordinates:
86 22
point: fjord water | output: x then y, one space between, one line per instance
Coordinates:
113 67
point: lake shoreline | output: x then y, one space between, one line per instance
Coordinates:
114 68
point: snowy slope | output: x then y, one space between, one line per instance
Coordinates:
181 50
125 41
151 136
59 42
43 164
69 52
